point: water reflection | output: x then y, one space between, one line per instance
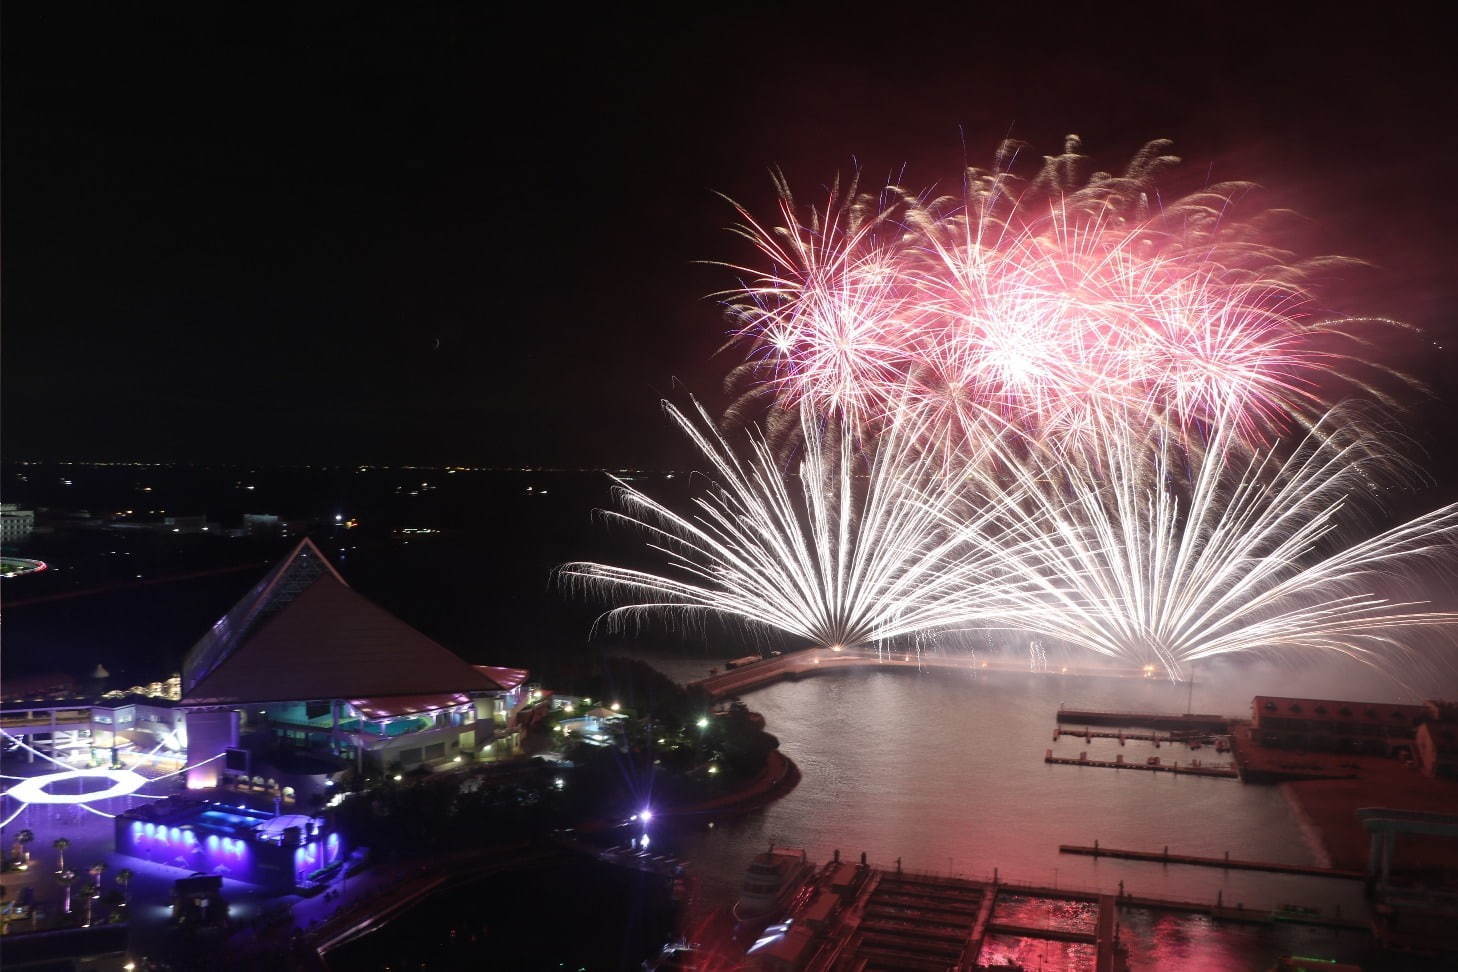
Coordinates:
945 771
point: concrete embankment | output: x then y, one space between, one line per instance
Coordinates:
817 661
778 777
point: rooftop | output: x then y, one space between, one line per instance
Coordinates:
303 633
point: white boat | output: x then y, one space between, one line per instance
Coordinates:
770 881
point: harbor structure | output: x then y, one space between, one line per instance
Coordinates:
1334 725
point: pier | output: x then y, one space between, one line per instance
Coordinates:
883 919
1217 909
1150 720
1223 771
1088 735
1165 857
814 661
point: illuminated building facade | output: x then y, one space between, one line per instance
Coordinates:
304 678
15 524
1373 728
278 853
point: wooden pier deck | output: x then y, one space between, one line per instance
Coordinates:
1174 736
1221 771
1228 862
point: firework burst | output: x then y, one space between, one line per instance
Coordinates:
1056 406
1051 301
853 548
1139 548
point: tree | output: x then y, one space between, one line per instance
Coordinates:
90 891
60 844
123 879
23 839
66 878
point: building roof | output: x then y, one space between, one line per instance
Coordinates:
399 705
1337 710
303 633
506 678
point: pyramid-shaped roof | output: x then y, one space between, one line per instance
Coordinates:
303 633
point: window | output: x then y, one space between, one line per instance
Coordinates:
1295 707
1321 710
1346 712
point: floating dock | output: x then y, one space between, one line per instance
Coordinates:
1165 857
1088 735
1193 768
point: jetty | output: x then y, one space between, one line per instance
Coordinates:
1152 765
1228 862
1123 735
868 917
746 676
1189 721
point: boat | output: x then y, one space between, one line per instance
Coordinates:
771 879
681 954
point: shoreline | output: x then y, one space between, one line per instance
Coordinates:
776 779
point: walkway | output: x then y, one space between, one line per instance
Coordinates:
813 661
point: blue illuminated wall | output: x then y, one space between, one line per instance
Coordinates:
187 839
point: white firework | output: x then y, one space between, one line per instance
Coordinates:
1139 546
854 548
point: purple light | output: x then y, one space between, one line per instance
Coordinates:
646 816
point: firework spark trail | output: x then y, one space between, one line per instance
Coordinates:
857 549
1044 406
1137 549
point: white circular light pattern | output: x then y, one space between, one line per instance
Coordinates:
33 789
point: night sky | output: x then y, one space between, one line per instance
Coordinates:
457 234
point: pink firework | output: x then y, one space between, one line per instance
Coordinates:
829 319
1050 303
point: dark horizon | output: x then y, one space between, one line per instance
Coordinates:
441 237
